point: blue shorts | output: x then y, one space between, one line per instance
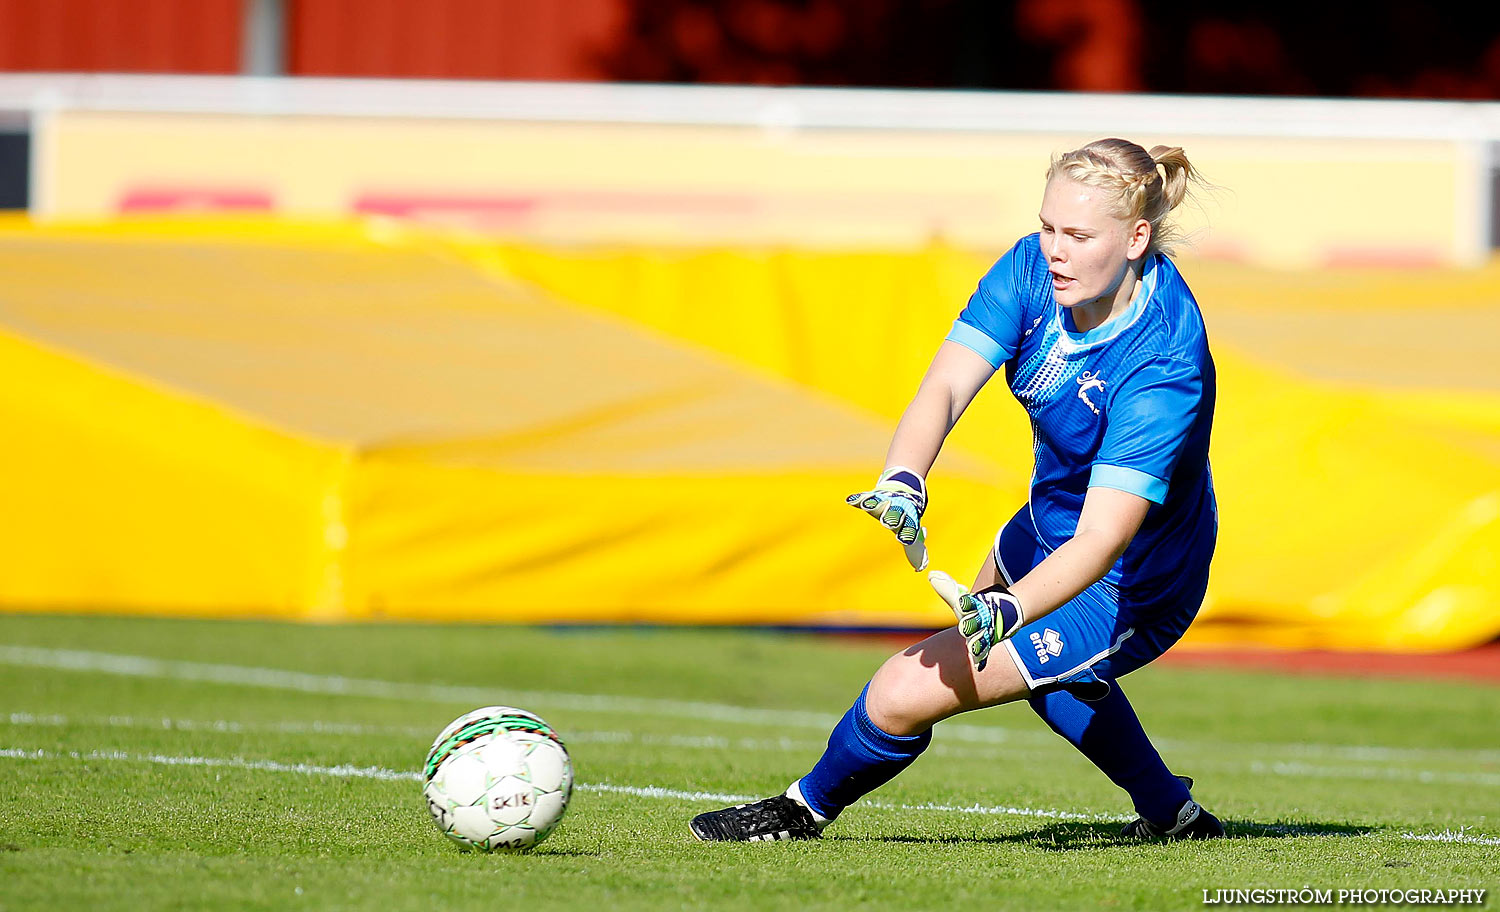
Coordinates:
1099 635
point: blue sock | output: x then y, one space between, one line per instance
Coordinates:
1108 733
860 758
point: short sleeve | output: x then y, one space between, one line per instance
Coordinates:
990 325
1150 418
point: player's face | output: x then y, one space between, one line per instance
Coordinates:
1088 248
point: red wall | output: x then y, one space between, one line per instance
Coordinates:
121 36
458 39
466 39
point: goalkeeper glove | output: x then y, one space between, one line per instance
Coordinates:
898 500
984 618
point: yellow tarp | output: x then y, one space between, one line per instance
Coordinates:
1356 443
329 427
357 422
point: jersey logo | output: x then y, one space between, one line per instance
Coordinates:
1047 644
1088 381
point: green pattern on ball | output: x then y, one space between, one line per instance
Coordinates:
478 729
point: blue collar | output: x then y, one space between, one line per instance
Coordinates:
1120 321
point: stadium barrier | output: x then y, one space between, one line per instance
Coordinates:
1306 182
368 421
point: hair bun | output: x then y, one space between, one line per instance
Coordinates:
1142 190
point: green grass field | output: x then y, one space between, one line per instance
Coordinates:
229 765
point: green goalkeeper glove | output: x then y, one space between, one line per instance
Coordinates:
898 500
984 618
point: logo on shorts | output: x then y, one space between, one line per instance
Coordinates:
1087 381
1048 643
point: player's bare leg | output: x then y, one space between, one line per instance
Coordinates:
930 681
936 679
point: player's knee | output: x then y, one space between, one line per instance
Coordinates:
897 701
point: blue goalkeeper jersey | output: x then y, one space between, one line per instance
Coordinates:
1127 405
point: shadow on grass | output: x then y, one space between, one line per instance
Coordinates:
488 858
1080 835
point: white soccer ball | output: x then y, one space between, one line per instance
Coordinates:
497 779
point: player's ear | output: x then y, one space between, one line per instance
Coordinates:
1140 239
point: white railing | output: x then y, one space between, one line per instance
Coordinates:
780 108
1472 128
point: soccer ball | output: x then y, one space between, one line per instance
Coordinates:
497 779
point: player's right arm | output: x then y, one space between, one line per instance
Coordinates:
900 495
985 335
952 381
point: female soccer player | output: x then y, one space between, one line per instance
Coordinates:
1107 563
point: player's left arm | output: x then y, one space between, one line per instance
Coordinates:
1148 427
1109 520
1150 419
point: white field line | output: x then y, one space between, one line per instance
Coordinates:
703 742
1367 772
310 769
1460 835
992 810
585 736
221 726
281 679
305 682
349 771
1341 751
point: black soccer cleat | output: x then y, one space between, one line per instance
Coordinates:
1196 823
1192 822
767 820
